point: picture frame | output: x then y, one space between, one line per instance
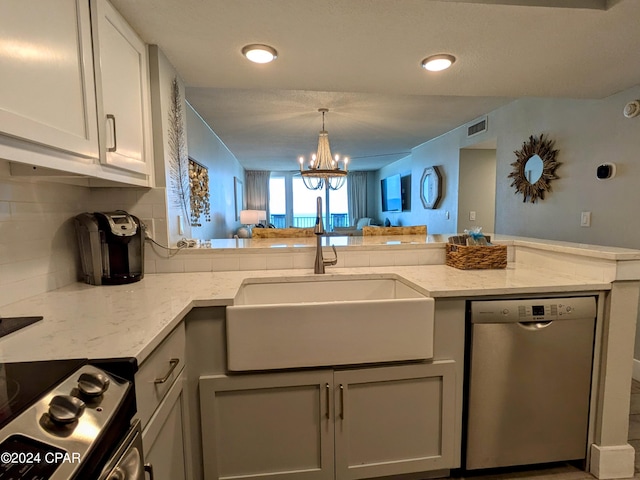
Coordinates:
239 196
199 188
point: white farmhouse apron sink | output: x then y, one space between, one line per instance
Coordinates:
327 321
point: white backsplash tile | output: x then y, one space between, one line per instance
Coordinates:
405 258
303 260
149 266
276 261
225 263
22 289
27 269
432 256
143 211
39 250
159 210
5 211
253 262
38 244
355 259
171 265
382 260
197 264
114 196
151 196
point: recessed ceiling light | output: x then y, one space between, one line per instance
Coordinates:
436 63
260 53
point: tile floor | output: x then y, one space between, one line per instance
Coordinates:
567 471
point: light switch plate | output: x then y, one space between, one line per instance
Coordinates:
180 225
472 215
585 219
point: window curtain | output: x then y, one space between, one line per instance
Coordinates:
357 196
257 189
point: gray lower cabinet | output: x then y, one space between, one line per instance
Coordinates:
271 426
394 420
329 424
164 437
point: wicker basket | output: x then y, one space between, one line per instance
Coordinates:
476 257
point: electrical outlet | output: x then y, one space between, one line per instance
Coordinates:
585 219
472 215
149 227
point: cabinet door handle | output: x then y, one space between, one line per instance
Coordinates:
149 469
173 363
342 401
326 388
115 141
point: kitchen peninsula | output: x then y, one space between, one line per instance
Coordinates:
136 320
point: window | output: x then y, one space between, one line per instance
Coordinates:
291 204
339 207
277 202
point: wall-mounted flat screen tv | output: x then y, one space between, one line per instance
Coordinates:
391 189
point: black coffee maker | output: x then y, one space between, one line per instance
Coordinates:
111 247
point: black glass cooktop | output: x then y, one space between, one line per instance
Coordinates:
11 324
23 383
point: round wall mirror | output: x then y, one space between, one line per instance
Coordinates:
534 168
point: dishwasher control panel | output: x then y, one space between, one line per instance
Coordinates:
532 309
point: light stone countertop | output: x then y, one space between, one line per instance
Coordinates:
410 241
84 321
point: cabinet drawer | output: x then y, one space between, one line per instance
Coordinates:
158 372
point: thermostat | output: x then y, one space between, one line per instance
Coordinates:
606 171
632 109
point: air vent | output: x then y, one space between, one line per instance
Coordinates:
478 127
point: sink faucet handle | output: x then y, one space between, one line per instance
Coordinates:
334 260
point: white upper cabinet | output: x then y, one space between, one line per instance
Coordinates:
47 93
122 85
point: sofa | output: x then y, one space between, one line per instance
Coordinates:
353 231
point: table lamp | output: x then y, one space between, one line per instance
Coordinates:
249 218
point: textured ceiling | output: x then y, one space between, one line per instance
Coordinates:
361 59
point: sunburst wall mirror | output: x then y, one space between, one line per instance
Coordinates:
534 168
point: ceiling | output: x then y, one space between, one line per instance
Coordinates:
361 60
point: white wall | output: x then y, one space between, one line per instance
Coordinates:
586 133
206 148
403 167
477 170
443 152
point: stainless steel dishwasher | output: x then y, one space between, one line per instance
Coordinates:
529 380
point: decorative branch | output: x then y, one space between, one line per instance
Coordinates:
544 149
178 159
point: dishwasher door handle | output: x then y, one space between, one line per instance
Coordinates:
534 325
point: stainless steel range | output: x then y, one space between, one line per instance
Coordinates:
66 420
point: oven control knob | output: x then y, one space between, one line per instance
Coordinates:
65 409
93 384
